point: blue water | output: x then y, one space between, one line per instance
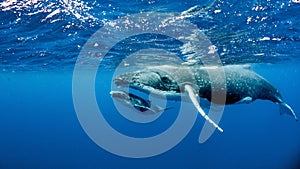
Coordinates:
41 41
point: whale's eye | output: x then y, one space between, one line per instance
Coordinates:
165 79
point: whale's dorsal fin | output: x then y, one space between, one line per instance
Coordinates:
193 97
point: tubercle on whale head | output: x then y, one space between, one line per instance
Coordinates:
147 79
137 78
124 79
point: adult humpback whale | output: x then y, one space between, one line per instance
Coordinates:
219 84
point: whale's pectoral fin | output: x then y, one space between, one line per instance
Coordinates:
141 108
193 98
286 109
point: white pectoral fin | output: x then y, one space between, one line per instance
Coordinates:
193 98
215 113
247 100
286 109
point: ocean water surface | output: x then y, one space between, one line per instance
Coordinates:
42 40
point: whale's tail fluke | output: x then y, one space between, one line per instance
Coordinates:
286 109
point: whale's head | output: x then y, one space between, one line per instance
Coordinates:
148 81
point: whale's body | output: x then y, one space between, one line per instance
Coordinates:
219 84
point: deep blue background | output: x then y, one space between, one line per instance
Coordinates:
40 130
38 123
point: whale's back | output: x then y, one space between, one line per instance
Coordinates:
238 83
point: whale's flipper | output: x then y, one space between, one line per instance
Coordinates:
286 109
247 100
141 108
208 129
193 98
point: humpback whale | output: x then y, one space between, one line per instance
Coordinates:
132 100
229 84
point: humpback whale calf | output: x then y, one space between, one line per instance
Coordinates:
131 100
227 84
